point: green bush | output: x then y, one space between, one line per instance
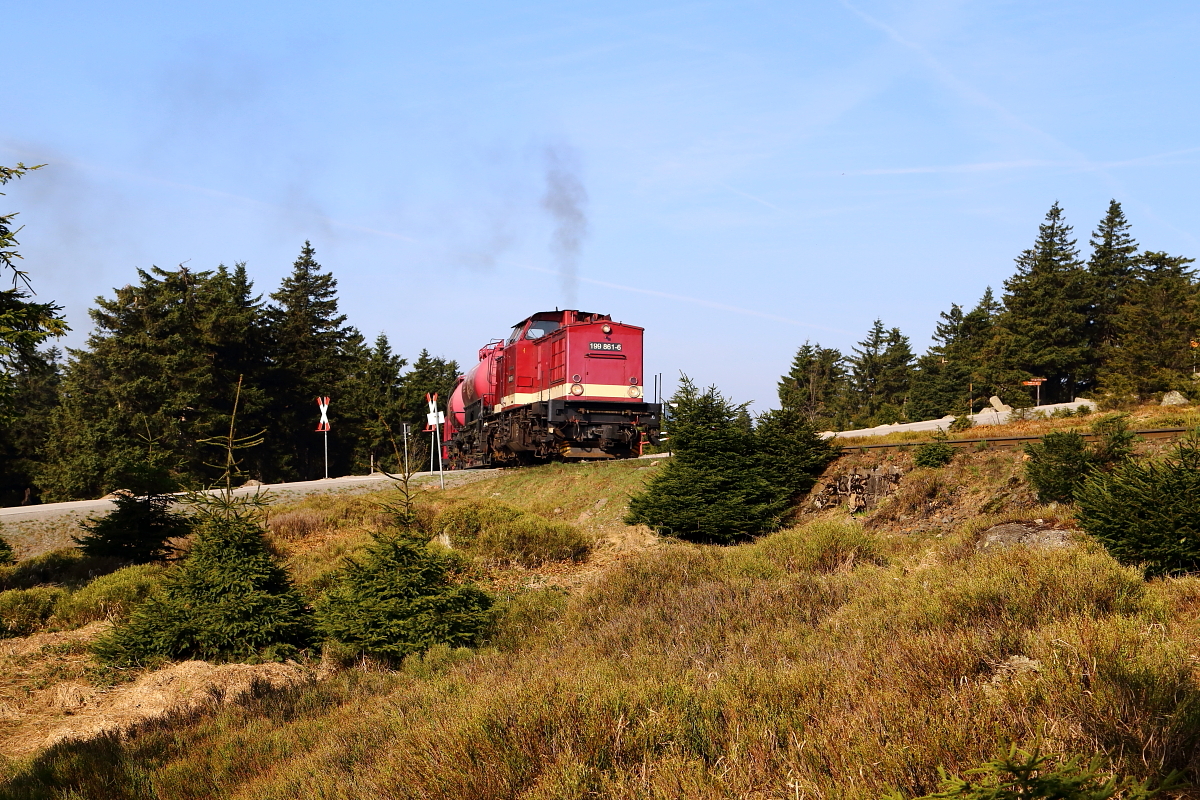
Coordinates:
1057 465
933 454
6 554
23 611
111 596
67 566
136 531
530 540
1145 512
403 597
1030 776
821 547
462 523
228 600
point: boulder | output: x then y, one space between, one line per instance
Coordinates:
1024 534
1174 398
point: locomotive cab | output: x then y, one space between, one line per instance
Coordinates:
563 385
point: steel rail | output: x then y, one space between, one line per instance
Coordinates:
1008 442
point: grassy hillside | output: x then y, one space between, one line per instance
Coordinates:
840 658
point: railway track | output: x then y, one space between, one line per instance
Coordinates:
1008 442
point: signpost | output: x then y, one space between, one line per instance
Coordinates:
323 427
436 419
1038 383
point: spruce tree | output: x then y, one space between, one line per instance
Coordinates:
402 597
1111 271
1150 350
315 354
880 373
137 531
713 489
156 378
790 453
815 386
227 601
1044 329
952 371
23 442
377 399
25 325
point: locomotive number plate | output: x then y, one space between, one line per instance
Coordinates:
610 346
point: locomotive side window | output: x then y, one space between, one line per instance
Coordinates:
541 327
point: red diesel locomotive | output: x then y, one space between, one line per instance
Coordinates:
565 385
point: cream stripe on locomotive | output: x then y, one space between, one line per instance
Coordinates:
592 391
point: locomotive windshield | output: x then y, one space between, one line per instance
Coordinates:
541 327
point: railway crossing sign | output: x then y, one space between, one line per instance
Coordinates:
435 420
323 405
323 427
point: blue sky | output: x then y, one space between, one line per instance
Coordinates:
735 177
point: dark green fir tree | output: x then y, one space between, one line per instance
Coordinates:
402 597
1152 332
880 374
1111 272
227 601
815 386
314 354
1044 331
713 490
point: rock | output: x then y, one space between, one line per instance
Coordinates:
999 405
1174 399
1024 534
252 482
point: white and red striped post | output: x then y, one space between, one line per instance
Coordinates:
323 427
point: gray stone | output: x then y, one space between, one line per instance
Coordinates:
1024 534
1174 399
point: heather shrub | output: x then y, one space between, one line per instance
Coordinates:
1145 512
23 611
293 525
403 597
67 566
1030 776
821 547
462 523
111 596
228 601
530 540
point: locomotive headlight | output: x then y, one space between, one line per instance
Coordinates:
577 389
635 391
606 328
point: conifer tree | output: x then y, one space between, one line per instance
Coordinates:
155 380
791 454
1111 271
1044 330
815 386
713 490
402 597
23 444
378 401
137 531
25 325
315 354
951 372
880 372
227 601
1150 350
